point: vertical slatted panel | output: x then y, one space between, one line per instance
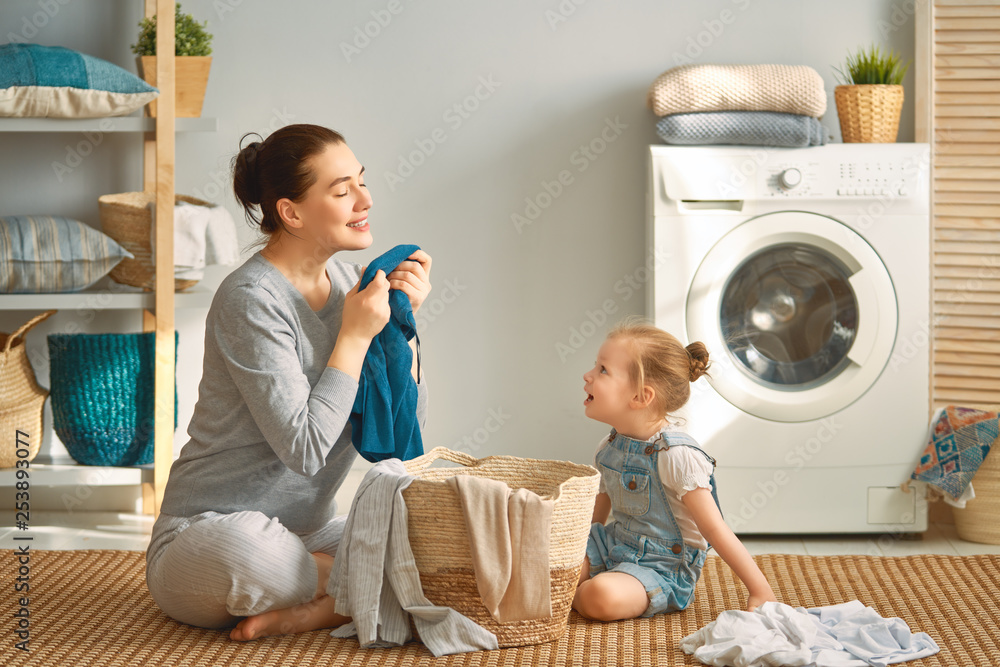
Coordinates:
963 107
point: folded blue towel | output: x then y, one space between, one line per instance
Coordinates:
384 418
745 128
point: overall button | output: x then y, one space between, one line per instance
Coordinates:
649 449
676 548
631 485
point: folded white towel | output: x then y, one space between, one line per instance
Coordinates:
190 223
203 236
221 245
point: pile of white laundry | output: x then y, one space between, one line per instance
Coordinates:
843 635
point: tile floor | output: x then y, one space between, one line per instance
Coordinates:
113 530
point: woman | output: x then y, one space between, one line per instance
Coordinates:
247 526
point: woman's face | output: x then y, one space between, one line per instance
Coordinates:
334 210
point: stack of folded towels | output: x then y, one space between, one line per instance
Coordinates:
755 105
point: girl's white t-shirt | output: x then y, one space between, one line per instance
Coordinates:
681 469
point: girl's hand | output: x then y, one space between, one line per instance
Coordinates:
366 312
757 599
413 277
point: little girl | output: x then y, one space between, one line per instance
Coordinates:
658 482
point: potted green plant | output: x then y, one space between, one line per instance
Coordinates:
192 48
871 98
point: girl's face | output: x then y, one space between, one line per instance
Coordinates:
609 389
334 210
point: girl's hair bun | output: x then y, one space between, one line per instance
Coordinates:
699 363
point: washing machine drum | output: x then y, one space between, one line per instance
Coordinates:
804 322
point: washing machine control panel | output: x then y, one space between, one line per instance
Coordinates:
873 179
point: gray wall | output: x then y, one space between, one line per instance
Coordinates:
511 91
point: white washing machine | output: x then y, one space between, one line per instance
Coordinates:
806 273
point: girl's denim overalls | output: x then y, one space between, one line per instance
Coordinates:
644 539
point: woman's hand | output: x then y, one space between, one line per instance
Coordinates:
366 312
413 278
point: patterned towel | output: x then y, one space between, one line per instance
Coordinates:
794 89
960 440
745 128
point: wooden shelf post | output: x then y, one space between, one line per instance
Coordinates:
164 308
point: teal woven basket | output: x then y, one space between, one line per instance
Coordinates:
102 391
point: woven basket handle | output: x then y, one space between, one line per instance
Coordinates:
460 458
25 328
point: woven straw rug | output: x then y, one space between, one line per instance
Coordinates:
92 608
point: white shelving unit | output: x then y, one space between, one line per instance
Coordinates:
157 306
118 297
110 124
64 471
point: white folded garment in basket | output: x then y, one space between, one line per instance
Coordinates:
509 534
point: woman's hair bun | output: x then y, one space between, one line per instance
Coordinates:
699 363
246 181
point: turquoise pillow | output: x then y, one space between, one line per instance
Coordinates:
42 253
56 82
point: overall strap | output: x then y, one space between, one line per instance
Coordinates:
666 446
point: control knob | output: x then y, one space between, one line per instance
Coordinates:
790 178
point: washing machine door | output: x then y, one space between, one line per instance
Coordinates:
800 311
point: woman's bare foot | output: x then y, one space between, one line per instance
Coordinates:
313 615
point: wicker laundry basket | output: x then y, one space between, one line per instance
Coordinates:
978 520
441 546
103 396
21 399
126 217
869 113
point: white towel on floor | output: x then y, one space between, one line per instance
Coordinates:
203 236
843 635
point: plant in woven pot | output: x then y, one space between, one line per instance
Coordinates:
871 98
192 48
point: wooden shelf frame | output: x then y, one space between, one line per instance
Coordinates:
159 160
158 306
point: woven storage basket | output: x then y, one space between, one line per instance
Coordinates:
21 399
979 520
126 217
441 546
869 113
103 396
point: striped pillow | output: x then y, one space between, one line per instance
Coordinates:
42 253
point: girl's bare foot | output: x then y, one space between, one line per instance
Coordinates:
313 615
